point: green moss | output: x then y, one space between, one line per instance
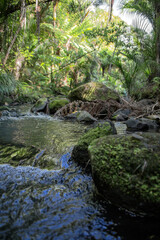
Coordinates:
2 108
128 169
17 155
80 152
93 91
47 162
92 134
24 156
39 105
40 102
56 104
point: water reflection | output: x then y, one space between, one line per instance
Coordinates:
42 132
59 204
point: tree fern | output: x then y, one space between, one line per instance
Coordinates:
7 84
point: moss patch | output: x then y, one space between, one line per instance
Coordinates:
2 108
93 91
80 152
126 169
39 105
20 155
17 155
57 103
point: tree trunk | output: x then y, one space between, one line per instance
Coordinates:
11 45
55 4
38 20
158 33
22 17
111 9
19 64
23 14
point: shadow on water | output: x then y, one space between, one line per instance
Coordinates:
58 204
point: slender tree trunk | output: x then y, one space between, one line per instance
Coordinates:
20 58
11 45
55 4
19 63
16 34
111 9
23 13
158 33
38 20
4 39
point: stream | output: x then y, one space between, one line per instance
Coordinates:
58 204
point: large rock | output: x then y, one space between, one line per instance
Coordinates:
80 152
141 125
126 170
40 105
121 115
93 91
81 116
49 105
57 103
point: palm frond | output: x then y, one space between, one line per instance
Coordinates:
144 9
141 23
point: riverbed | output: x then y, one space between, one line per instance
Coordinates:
61 203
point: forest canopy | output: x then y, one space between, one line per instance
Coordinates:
50 46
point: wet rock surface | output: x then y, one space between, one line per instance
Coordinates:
141 124
81 116
40 105
126 170
80 152
60 203
43 204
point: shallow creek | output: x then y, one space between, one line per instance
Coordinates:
58 204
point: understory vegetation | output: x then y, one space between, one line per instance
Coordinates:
50 47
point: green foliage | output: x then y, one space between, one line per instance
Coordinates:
126 167
7 84
81 46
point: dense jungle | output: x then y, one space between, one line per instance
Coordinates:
79 119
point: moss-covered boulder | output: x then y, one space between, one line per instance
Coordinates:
80 152
57 103
126 170
40 105
93 91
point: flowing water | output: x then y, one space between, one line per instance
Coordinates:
61 203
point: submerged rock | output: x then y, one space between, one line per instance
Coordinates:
17 154
126 170
8 112
20 155
2 108
80 152
93 91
